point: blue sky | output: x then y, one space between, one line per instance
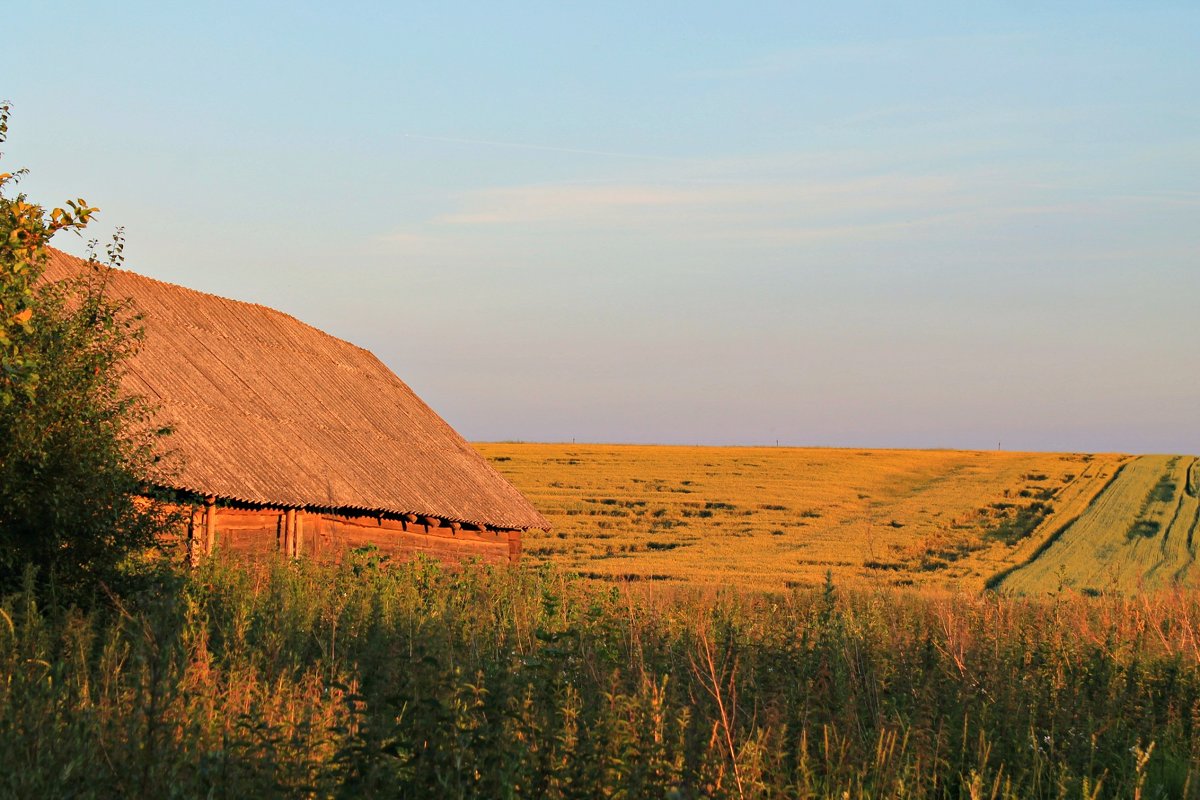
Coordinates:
907 224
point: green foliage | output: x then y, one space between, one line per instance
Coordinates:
1144 529
1018 522
25 232
74 450
417 681
1163 491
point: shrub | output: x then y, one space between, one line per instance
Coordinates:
1143 528
75 452
1012 529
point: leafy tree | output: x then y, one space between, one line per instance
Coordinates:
75 451
25 232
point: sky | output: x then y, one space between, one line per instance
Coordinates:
967 225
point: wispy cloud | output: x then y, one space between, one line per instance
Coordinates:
791 60
763 202
730 209
1181 197
402 237
578 203
537 147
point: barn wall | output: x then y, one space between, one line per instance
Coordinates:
257 533
327 537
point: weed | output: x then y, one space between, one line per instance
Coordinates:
1164 490
1144 528
1015 527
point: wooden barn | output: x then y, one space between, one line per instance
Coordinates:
288 439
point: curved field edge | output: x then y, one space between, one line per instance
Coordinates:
1071 502
998 579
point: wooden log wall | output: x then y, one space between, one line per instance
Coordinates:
258 532
210 525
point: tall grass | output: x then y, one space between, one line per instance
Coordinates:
418 681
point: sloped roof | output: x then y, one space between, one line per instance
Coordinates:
266 409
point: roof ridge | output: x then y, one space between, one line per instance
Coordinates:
268 409
54 251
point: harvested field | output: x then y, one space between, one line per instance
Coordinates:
773 517
1136 534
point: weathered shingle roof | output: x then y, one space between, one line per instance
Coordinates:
266 409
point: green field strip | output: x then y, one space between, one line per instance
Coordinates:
1100 550
1188 574
1176 556
1173 527
1150 557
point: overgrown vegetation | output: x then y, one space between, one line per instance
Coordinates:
1164 490
416 681
74 450
1144 528
25 230
1015 523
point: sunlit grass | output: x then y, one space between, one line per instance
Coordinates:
418 681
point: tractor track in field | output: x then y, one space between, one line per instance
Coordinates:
1171 536
1190 497
1193 490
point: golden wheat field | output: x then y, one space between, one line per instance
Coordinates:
772 517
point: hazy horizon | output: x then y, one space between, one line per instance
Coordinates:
803 446
917 226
